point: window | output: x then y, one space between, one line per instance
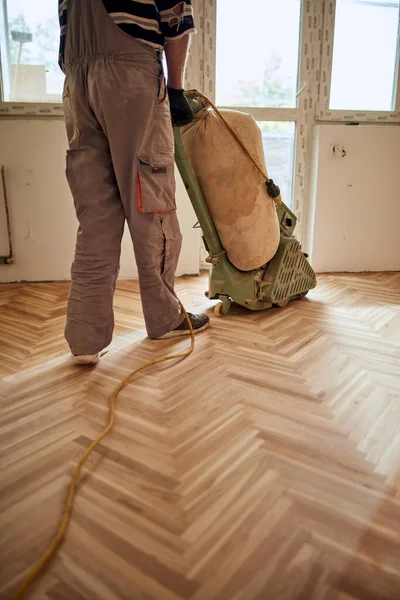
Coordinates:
29 36
364 55
360 61
257 68
257 53
279 148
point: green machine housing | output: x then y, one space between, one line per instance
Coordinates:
287 276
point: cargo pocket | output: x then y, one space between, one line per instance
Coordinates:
155 184
71 124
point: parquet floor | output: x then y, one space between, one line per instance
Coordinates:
265 467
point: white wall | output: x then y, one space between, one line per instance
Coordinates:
356 199
42 214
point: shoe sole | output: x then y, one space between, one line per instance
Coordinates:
86 360
182 332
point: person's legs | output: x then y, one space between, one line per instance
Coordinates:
101 219
138 127
157 242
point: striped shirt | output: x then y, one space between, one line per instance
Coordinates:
154 22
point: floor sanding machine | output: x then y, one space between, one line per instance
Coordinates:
284 276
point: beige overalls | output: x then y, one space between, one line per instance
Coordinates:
120 166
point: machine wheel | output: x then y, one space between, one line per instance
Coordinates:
283 303
222 308
218 310
300 296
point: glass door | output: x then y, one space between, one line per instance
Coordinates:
257 71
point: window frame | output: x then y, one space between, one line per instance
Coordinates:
323 112
20 108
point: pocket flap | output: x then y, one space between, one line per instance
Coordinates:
155 160
155 184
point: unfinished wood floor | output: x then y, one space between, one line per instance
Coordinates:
265 467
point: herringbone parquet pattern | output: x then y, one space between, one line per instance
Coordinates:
265 467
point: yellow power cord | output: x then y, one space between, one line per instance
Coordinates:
194 93
66 516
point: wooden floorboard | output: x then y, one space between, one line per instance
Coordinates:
264 467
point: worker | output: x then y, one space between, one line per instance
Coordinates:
120 162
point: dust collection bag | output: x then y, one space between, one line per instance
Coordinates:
243 213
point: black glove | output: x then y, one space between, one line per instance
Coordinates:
181 112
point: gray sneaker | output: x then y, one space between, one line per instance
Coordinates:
199 323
